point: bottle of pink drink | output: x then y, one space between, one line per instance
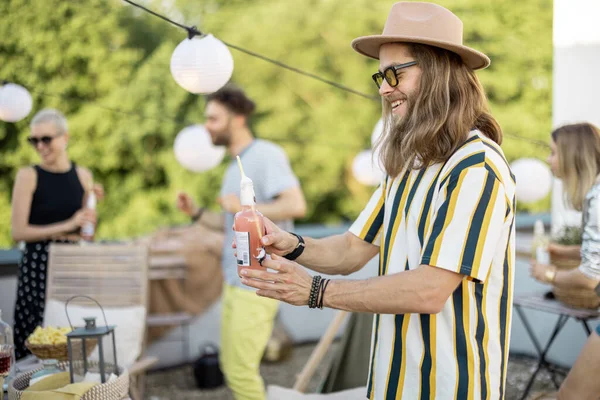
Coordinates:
249 227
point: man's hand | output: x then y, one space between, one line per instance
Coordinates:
276 241
186 205
290 283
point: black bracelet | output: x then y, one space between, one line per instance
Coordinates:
198 215
298 250
313 297
322 292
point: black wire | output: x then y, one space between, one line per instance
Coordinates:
168 118
536 142
192 31
112 109
187 28
299 71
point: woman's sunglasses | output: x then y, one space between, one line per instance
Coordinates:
44 139
390 74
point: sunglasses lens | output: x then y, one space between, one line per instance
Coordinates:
44 139
390 77
378 78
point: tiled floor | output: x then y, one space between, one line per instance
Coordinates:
178 383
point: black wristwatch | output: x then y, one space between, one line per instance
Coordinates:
597 289
298 250
198 215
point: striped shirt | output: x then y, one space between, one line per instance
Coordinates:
458 216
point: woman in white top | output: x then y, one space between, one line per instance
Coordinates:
575 159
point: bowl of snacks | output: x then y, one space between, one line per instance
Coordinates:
51 343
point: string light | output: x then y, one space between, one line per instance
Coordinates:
15 102
193 32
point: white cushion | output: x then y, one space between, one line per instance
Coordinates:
279 393
130 325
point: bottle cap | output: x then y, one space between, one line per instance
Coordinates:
246 187
538 227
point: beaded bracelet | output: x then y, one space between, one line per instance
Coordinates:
313 298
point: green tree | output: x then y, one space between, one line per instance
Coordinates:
86 58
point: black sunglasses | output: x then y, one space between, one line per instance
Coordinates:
390 74
44 139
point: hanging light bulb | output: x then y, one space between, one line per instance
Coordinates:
15 102
201 64
377 132
366 169
534 179
195 151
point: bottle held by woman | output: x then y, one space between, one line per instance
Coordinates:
89 228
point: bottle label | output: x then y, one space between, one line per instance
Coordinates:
88 230
242 242
542 256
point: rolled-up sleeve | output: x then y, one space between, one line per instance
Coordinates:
590 247
370 221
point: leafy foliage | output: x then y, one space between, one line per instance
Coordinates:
569 235
82 57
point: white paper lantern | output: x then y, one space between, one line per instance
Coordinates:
195 151
534 179
201 65
366 169
15 102
377 132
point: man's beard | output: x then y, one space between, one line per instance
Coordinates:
399 122
222 139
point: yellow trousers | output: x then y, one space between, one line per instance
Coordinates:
246 326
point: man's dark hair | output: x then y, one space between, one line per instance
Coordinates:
234 99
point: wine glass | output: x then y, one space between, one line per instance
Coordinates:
6 351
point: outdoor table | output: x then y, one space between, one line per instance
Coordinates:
541 302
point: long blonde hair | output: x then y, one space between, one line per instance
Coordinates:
578 148
450 103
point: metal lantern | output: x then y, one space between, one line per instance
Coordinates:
91 332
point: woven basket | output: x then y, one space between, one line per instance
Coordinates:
60 352
115 390
578 298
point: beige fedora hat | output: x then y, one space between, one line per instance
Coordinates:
425 23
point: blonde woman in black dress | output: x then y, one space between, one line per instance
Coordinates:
47 205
